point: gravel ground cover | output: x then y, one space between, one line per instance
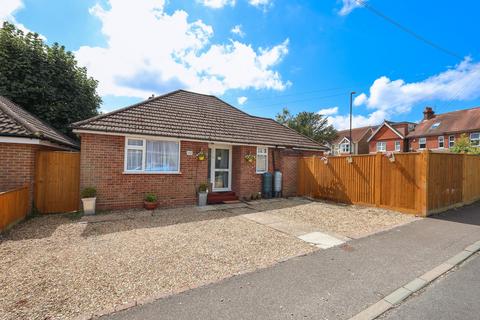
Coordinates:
56 268
347 220
59 266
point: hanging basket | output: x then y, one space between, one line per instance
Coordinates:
201 156
250 158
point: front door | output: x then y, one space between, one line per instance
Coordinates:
221 168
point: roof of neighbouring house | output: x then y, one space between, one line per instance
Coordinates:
357 134
451 122
188 115
17 122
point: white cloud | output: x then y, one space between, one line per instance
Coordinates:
260 3
238 30
157 52
217 4
328 111
241 100
7 10
342 122
387 98
462 82
348 6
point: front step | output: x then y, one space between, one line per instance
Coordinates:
221 197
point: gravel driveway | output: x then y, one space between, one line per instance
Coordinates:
57 267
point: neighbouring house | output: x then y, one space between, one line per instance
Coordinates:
156 146
341 144
390 137
440 131
22 135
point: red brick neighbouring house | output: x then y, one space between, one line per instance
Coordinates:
22 135
440 131
390 137
359 144
153 146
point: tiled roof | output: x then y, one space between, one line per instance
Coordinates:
17 122
452 122
357 134
189 115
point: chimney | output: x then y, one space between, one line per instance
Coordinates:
428 113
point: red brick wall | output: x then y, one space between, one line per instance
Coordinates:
385 134
245 181
17 165
102 166
432 142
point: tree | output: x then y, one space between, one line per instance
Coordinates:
45 80
310 124
464 145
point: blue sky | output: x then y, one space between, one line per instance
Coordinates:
263 55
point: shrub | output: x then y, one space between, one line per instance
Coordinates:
203 187
89 192
150 197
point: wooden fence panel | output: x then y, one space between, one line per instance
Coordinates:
401 182
445 180
420 183
57 181
13 206
471 182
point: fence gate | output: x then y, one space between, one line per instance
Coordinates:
57 181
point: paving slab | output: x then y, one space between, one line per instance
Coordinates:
415 285
292 228
397 296
321 240
263 218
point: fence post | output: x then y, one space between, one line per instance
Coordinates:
378 179
464 177
425 177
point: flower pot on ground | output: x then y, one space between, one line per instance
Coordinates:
202 194
89 200
150 201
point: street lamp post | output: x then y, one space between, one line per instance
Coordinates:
351 99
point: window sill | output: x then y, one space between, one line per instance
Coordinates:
153 172
257 172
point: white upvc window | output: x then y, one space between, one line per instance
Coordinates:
381 146
152 155
345 147
422 143
441 142
398 146
262 160
451 141
475 139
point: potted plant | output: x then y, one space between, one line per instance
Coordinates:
150 201
250 158
89 198
202 194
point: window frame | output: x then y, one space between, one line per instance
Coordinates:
399 143
144 154
382 143
477 139
443 142
347 150
451 142
266 159
419 143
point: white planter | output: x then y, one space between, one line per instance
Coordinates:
89 205
202 199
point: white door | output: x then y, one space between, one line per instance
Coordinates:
221 168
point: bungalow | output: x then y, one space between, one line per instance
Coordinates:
390 137
440 131
158 146
341 144
22 135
